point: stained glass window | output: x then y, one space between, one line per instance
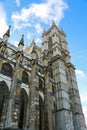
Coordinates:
23 108
7 69
49 42
25 77
3 96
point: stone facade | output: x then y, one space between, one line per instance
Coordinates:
38 87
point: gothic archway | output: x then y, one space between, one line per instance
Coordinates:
7 69
25 77
23 109
4 94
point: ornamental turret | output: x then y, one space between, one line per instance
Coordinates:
21 43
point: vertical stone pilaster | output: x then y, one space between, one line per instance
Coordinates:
47 100
63 111
31 107
11 106
14 101
78 117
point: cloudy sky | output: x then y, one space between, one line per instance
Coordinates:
30 17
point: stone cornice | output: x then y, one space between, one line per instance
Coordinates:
70 65
58 57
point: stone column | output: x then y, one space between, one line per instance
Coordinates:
47 98
13 107
31 105
78 117
14 102
64 119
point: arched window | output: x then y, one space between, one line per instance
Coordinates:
7 69
23 109
41 104
25 78
41 85
49 42
50 72
3 97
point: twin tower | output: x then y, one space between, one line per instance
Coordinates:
38 87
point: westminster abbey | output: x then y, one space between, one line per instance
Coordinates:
38 87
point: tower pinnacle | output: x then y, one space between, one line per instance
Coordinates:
22 40
7 32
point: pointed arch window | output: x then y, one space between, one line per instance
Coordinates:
25 77
23 109
41 104
41 85
7 69
3 97
49 42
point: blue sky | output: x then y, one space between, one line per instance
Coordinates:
32 16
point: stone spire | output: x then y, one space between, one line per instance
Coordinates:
7 32
53 24
6 35
62 32
21 41
34 46
33 42
3 43
44 32
34 53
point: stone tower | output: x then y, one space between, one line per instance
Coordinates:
68 109
38 87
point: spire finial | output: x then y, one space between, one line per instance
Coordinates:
53 23
34 53
7 32
44 32
6 35
22 40
62 32
33 41
21 43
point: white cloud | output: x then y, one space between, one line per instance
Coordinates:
81 77
28 35
80 73
44 12
83 96
15 42
17 2
85 113
38 28
3 23
38 40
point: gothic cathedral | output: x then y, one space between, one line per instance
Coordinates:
38 87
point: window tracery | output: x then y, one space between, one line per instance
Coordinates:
49 42
23 109
7 69
25 77
3 97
